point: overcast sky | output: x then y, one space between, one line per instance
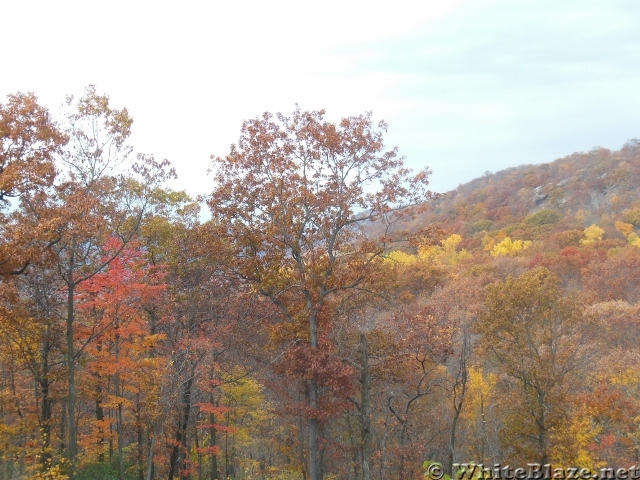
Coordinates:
465 86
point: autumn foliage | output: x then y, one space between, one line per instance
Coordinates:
332 318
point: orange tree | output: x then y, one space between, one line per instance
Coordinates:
29 142
293 198
99 193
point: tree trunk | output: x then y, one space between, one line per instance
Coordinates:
72 439
140 432
212 443
357 450
484 429
301 447
197 442
45 424
314 467
119 426
152 445
100 411
47 404
403 441
153 320
452 442
314 464
100 418
177 460
383 447
119 394
458 401
365 424
542 427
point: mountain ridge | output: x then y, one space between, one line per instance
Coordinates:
596 187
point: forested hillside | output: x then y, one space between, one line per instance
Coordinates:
293 336
596 186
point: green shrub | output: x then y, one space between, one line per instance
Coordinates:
544 217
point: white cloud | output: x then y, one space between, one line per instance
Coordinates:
497 82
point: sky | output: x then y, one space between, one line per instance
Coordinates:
466 86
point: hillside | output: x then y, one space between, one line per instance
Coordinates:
599 186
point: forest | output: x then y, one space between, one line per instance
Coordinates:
319 314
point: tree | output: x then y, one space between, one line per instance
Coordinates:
422 347
292 198
593 234
457 305
117 335
537 338
32 336
615 277
29 142
99 194
510 247
196 319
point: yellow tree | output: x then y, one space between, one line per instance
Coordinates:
32 336
593 234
